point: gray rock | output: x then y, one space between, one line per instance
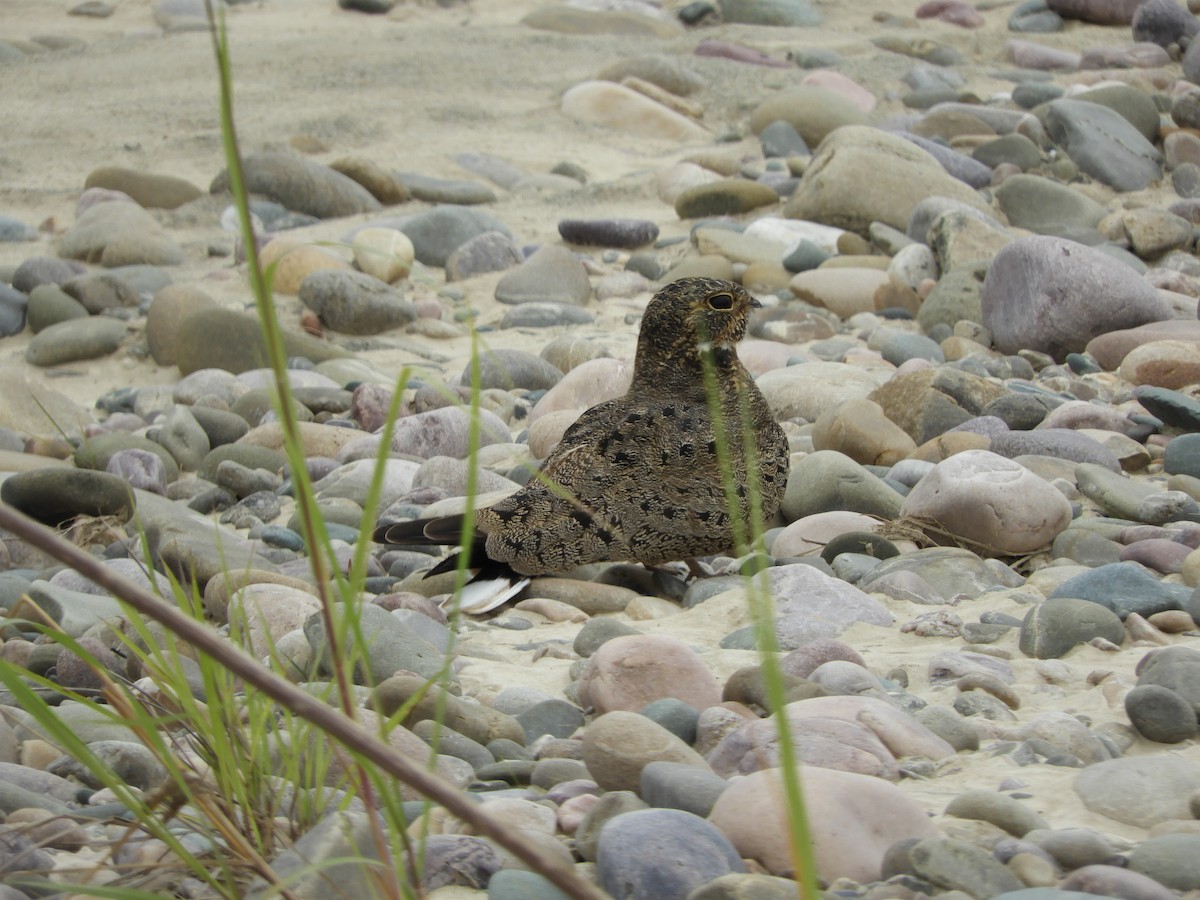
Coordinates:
182 436
1163 22
554 717
14 230
44 270
1112 881
828 480
793 13
130 762
517 884
1140 790
1045 206
140 469
1160 714
55 495
551 275
387 646
673 785
219 338
49 304
492 251
75 340
1104 144
546 315
301 185
445 190
1175 669
1058 624
623 233
13 305
1125 588
1000 809
508 369
1053 295
1061 443
340 849
355 302
959 866
438 232
1172 860
654 854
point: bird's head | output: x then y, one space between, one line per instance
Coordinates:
694 314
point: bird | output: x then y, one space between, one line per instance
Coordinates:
687 463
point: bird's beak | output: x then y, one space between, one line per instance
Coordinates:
754 303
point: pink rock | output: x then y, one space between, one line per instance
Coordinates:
1038 56
956 12
1109 349
853 820
572 811
628 672
586 385
1159 554
803 661
760 356
818 742
93 196
840 84
738 53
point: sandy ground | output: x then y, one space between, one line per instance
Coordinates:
408 91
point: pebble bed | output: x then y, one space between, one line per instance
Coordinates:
979 331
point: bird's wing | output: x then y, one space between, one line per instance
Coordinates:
627 481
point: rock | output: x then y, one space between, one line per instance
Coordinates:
827 480
1172 860
1161 22
1125 588
813 112
226 339
726 196
56 495
1057 625
1045 206
74 340
384 253
146 188
445 432
119 234
829 191
853 820
381 184
793 13
1139 790
301 185
355 302
626 673
511 369
623 233
170 306
959 866
1101 12
551 275
859 429
438 232
491 251
292 260
845 291
38 270
662 853
680 786
1165 364
1160 714
1053 295
991 502
1103 144
393 646
1000 809
618 745
616 106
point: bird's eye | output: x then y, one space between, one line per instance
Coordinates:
721 301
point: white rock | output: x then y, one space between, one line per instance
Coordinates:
990 500
384 253
615 106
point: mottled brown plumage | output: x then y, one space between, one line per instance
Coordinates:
646 477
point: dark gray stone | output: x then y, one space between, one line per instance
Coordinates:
1058 624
